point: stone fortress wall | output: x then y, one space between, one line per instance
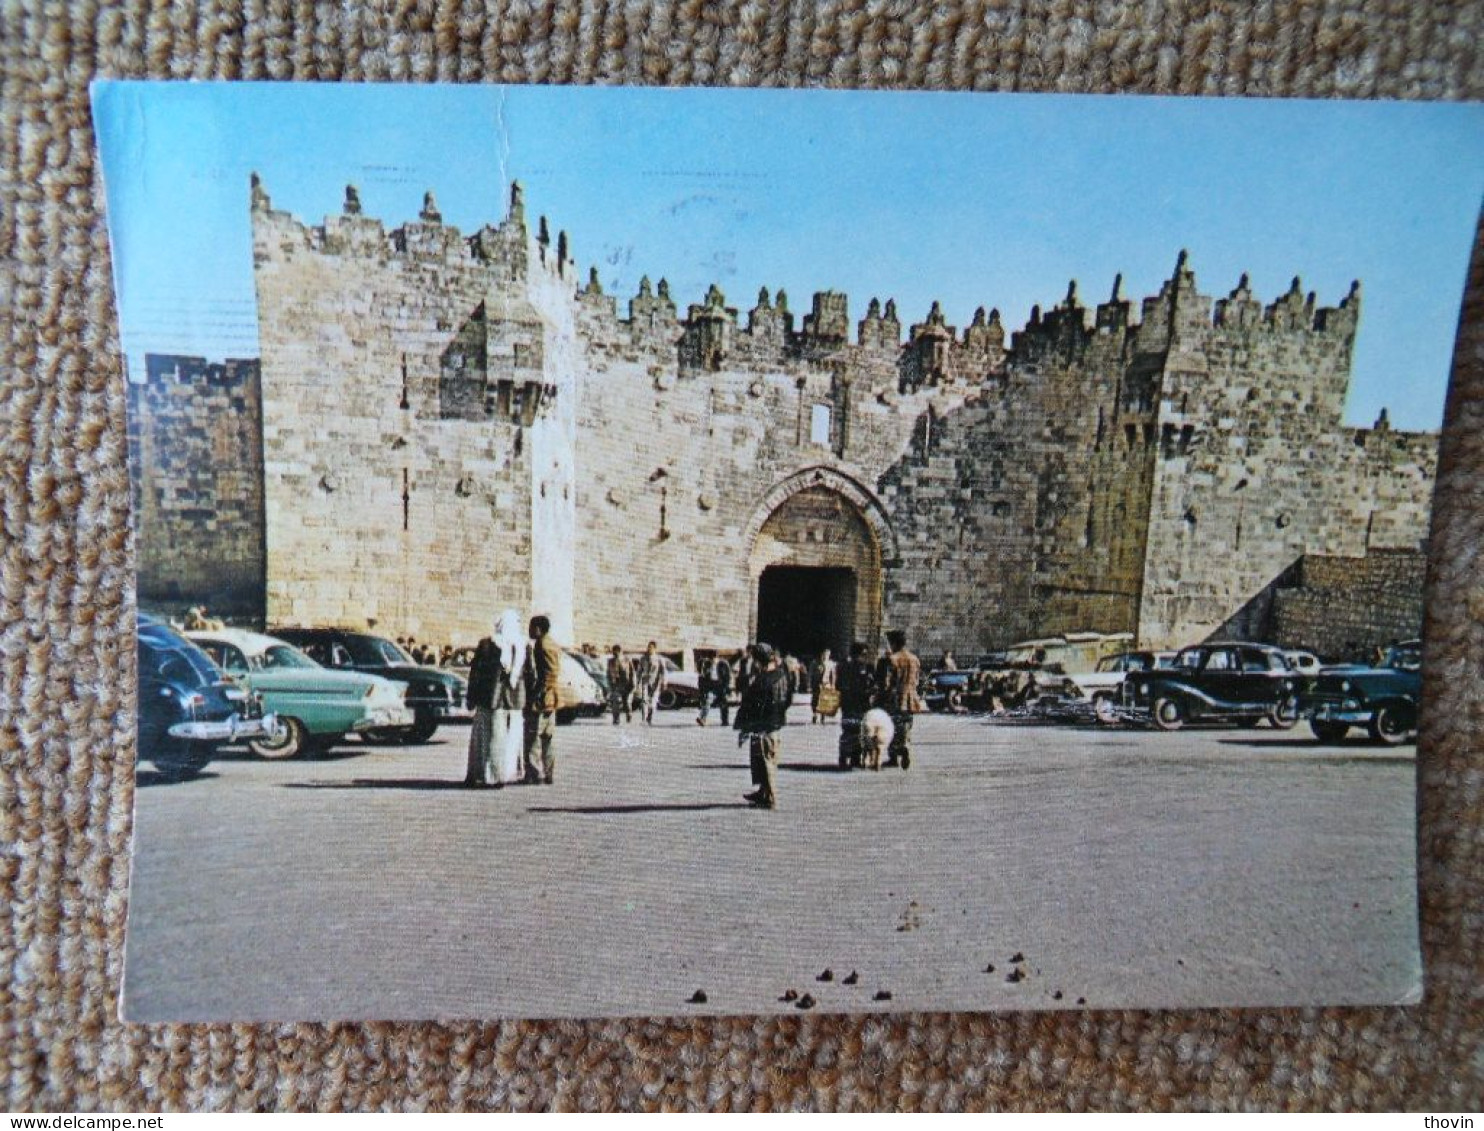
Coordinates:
196 446
1345 606
454 424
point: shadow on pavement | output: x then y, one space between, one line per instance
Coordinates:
424 784
1261 739
338 753
791 767
145 778
699 807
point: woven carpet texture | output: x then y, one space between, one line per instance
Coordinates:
66 634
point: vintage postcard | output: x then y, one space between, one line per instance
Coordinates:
634 552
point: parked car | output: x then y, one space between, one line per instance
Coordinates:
1223 682
1383 698
1101 686
187 705
1305 663
995 683
435 695
946 689
316 707
954 689
582 686
1074 652
681 689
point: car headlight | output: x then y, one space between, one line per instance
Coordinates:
1344 685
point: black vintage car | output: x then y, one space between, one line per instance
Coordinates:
434 695
1383 698
187 705
946 689
1224 682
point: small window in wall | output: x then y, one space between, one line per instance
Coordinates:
819 424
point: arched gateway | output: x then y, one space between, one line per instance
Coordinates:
819 541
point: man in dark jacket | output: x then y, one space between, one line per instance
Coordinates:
497 693
857 689
703 689
721 690
760 717
744 671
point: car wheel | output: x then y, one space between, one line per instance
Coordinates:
1285 715
179 760
425 726
954 701
565 716
668 699
1388 726
287 741
1103 708
1326 731
1168 713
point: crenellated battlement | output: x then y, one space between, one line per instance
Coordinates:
1137 464
1179 312
710 332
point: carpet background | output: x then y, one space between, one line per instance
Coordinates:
66 632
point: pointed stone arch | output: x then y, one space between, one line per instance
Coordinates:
831 479
818 545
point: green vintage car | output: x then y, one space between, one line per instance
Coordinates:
1382 698
316 707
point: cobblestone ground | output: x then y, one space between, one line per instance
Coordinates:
1124 868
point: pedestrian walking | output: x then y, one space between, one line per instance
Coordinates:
857 680
822 674
798 674
649 681
745 671
760 717
901 670
497 694
620 685
721 688
543 664
703 689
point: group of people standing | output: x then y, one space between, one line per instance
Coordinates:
635 684
889 685
513 692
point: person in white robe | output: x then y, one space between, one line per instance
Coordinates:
497 695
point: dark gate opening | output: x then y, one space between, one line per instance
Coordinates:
802 610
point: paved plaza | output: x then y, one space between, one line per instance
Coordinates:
1122 867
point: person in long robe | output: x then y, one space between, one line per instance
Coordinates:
497 694
508 738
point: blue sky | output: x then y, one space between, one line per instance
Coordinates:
993 200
